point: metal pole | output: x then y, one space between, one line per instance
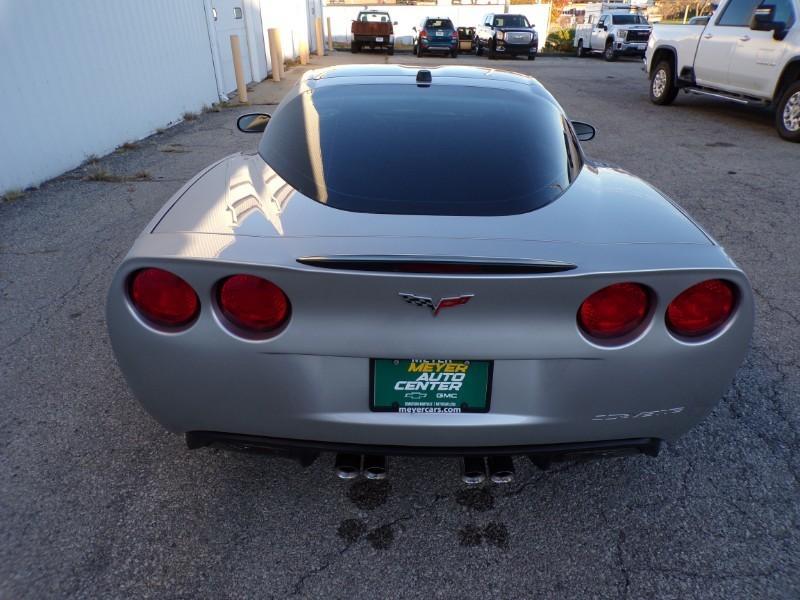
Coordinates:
241 86
330 36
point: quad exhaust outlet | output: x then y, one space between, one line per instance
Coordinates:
474 469
501 469
350 466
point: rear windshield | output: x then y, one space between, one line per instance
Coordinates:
439 23
374 17
437 150
511 21
629 20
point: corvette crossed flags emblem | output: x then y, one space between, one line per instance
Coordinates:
436 306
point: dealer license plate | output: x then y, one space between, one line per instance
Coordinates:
377 39
431 386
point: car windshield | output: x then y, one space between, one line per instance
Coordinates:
439 24
434 150
374 17
629 20
511 21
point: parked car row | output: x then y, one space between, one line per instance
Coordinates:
498 35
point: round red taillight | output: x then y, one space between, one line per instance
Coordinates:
163 298
702 308
253 304
614 311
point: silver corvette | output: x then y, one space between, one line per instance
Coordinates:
425 262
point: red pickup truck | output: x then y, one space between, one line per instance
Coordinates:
372 29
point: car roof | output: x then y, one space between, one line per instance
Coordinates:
358 74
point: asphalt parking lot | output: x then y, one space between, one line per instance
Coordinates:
98 501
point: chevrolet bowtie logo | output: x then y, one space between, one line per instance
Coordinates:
436 306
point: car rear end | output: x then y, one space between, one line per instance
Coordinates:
291 300
300 350
439 35
466 38
372 30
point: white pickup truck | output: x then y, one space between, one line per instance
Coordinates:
748 52
613 29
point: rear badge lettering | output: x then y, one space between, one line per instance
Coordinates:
435 307
641 415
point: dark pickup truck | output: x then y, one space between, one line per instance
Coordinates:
506 35
372 29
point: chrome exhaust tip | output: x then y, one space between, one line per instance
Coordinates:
501 469
347 466
374 466
473 470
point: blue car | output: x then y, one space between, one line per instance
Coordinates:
435 35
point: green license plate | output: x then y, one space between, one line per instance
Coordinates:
431 386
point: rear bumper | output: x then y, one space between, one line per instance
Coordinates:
387 40
312 381
440 46
539 452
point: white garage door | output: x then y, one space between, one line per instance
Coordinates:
229 19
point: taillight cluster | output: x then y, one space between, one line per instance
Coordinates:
617 311
164 298
249 304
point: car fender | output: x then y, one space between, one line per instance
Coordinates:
790 74
665 50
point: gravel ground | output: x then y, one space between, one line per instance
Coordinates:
97 501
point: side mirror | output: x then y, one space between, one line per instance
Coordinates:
413 28
394 23
605 27
253 122
763 19
583 131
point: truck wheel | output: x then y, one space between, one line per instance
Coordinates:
787 114
355 47
609 53
581 50
662 85
492 51
454 53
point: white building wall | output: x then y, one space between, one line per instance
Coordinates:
291 17
82 77
410 16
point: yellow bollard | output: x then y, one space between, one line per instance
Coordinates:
241 86
320 41
303 52
330 36
274 37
